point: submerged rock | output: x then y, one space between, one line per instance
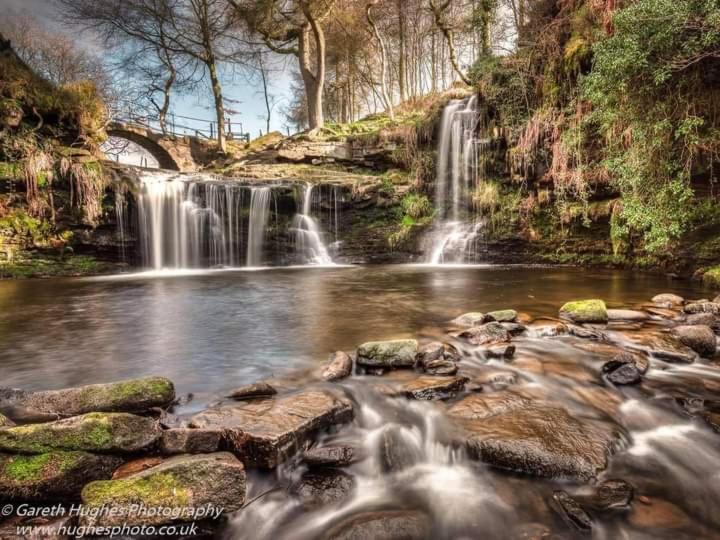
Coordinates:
514 328
54 475
503 315
698 337
252 391
181 483
505 352
428 388
473 318
319 488
586 333
668 300
619 371
441 367
94 432
383 525
571 511
330 456
190 441
489 333
397 449
264 433
610 494
631 315
541 439
400 353
585 311
338 367
136 395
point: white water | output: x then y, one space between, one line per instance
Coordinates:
459 173
308 236
259 212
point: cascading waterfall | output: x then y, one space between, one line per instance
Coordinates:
259 213
459 171
308 236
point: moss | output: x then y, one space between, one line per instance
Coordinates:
34 265
32 469
156 490
711 277
94 432
585 311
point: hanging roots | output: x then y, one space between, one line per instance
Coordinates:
87 187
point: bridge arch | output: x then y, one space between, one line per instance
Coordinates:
148 142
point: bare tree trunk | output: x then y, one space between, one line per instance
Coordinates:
219 107
402 70
438 11
383 61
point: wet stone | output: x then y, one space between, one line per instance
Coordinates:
383 525
264 433
621 372
320 488
400 353
586 333
585 311
503 315
397 449
611 494
190 441
668 300
441 367
330 456
489 333
430 388
252 391
515 329
436 350
707 319
627 315
699 338
571 511
505 352
702 307
473 318
338 367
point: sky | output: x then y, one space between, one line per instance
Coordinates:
251 106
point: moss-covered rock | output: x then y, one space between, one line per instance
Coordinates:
473 318
585 311
93 432
711 277
502 315
179 485
135 395
398 353
52 475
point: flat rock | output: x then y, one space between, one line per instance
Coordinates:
136 395
668 300
401 353
627 315
190 441
702 307
180 483
320 488
428 388
503 315
330 456
473 318
252 391
266 432
93 432
54 475
338 367
383 525
621 372
487 334
699 338
441 367
533 438
585 311
707 319
583 332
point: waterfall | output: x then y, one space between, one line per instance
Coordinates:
459 171
121 219
259 212
308 236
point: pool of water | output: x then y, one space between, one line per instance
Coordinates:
212 331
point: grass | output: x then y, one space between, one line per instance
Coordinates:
42 266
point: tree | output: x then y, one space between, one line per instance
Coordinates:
383 59
294 27
439 11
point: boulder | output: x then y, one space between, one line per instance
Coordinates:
320 488
702 307
540 439
190 441
135 395
699 338
53 475
707 319
93 432
264 433
180 484
252 391
383 525
441 367
338 367
473 318
503 315
436 350
401 353
621 372
429 388
487 334
668 300
585 311
330 456
571 512
640 361
631 315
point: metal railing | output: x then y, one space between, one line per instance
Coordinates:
203 128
